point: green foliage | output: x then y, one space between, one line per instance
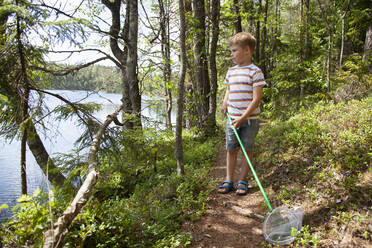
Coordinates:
142 201
138 201
304 238
320 159
353 81
30 220
283 99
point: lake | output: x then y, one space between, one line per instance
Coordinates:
59 138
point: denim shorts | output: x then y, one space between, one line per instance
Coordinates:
247 133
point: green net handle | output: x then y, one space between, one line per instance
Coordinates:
250 164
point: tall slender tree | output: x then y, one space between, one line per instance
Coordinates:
343 33
24 93
180 90
258 32
165 50
215 20
202 89
329 30
264 38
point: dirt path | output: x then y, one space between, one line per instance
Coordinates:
224 223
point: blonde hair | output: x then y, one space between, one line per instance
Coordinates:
243 39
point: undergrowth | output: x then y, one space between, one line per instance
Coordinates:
138 201
320 160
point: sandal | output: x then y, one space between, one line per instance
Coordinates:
227 188
242 185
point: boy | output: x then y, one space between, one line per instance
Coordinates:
243 95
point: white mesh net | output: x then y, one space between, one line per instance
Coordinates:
277 228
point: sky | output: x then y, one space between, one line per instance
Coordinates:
82 57
78 58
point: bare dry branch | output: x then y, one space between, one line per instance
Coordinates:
55 235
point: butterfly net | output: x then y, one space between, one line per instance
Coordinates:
281 224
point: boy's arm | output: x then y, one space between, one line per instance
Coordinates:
257 95
224 104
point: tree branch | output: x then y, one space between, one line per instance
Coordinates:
117 63
55 235
67 71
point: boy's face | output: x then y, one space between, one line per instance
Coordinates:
241 55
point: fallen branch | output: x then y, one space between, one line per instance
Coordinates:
248 213
53 237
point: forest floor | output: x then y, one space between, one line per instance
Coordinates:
230 220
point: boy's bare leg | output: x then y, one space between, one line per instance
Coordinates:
231 159
245 169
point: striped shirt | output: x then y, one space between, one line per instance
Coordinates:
240 81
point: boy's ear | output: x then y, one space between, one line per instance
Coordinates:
249 49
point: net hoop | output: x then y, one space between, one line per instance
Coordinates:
279 223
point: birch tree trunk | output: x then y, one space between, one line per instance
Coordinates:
165 49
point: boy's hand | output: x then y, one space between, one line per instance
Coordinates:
236 123
224 109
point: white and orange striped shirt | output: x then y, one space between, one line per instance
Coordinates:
240 81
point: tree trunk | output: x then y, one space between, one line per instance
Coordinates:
238 19
307 33
201 67
343 35
165 49
131 70
342 40
368 44
264 38
275 38
303 48
329 45
258 33
24 93
23 162
368 47
180 91
131 97
215 19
